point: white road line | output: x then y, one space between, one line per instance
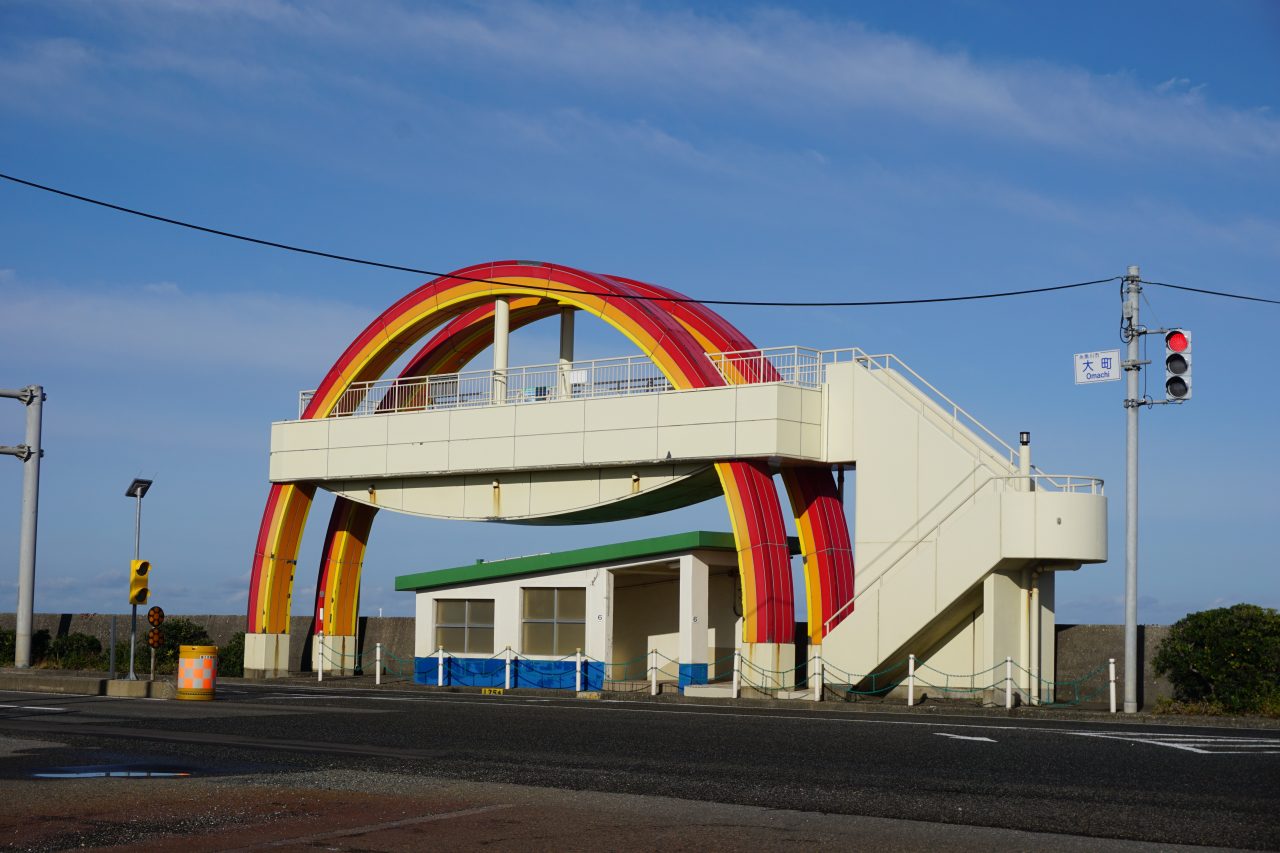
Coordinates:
32 708
964 737
1151 738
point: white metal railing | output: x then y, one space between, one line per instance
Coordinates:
807 367
895 366
1057 482
791 365
636 374
605 377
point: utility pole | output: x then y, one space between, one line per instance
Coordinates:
1132 365
33 398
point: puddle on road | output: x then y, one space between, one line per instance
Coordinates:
117 771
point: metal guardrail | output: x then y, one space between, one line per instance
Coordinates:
1059 482
637 374
605 377
790 365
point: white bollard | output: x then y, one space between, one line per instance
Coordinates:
819 676
1113 685
577 678
653 672
440 666
506 680
737 673
1008 683
377 663
911 680
320 657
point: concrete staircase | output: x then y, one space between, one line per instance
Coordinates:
955 535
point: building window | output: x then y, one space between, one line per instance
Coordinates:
465 626
555 621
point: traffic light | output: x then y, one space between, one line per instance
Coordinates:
138 572
1177 365
155 638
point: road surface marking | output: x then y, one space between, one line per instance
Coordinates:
1239 745
32 708
963 737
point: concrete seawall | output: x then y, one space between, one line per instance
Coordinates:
1081 648
394 632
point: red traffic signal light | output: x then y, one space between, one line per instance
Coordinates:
1177 365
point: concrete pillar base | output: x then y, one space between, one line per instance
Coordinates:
339 655
770 666
266 655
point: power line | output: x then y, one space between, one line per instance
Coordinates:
1212 292
401 268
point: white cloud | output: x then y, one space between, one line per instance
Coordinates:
160 327
763 65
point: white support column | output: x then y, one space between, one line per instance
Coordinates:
320 657
818 677
693 620
653 672
506 677
501 345
911 680
440 666
737 673
566 351
1034 658
377 657
1024 634
577 672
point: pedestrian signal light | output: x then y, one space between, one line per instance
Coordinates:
1177 365
139 570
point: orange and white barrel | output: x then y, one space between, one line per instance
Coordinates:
197 672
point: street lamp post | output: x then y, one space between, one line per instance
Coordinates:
137 489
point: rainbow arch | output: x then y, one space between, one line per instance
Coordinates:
676 336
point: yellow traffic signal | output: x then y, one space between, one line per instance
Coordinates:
138 572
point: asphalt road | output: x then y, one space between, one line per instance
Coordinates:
899 773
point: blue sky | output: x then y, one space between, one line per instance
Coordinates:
821 151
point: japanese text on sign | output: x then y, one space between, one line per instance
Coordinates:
1101 366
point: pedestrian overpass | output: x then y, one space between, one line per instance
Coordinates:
956 535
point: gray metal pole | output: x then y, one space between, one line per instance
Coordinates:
133 626
34 398
1132 404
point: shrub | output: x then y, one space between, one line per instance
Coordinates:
76 651
176 632
9 646
231 657
1229 656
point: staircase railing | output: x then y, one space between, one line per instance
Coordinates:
1060 482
